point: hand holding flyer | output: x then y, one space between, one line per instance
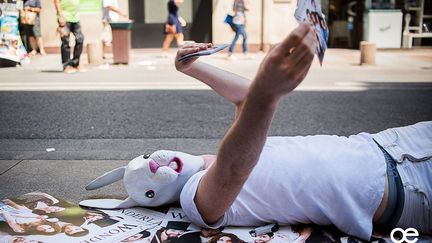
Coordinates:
310 11
207 52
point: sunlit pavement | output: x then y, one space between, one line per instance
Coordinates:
59 138
148 70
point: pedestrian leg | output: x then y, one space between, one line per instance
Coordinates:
65 49
79 43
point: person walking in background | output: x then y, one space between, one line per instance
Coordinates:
173 26
31 26
239 20
69 21
111 13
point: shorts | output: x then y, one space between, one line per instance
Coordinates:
32 30
411 148
28 30
37 29
106 35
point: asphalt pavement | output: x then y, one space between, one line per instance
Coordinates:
95 121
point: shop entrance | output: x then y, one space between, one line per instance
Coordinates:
345 20
150 15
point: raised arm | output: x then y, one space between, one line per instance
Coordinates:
229 85
280 73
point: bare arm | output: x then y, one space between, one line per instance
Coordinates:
229 85
33 9
279 74
117 10
60 15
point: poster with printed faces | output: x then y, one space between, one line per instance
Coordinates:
310 11
12 50
243 234
176 227
40 217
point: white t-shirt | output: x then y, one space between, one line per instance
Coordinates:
319 179
108 15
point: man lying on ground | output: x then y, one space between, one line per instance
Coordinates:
358 183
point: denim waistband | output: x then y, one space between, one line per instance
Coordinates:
396 196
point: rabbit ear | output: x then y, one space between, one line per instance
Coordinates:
109 203
107 178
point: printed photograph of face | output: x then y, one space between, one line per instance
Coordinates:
143 236
263 238
225 238
310 11
173 230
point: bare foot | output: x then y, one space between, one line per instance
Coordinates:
69 70
81 69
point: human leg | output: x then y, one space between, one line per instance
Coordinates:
411 148
79 43
244 35
41 46
27 33
106 37
417 210
38 36
180 39
167 42
234 41
65 48
33 45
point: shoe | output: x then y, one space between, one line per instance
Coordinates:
69 70
33 53
231 57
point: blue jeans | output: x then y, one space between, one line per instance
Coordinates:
240 30
411 148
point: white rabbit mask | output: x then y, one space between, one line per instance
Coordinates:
150 180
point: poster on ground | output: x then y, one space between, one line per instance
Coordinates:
40 217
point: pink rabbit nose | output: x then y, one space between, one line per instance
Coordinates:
153 166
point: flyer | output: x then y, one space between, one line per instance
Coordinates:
12 50
41 217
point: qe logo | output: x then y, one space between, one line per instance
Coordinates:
410 232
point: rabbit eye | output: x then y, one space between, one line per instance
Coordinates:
150 194
146 156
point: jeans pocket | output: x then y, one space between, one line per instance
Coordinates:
412 148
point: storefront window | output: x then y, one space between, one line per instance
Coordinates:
380 4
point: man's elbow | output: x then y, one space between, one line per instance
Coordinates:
210 215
